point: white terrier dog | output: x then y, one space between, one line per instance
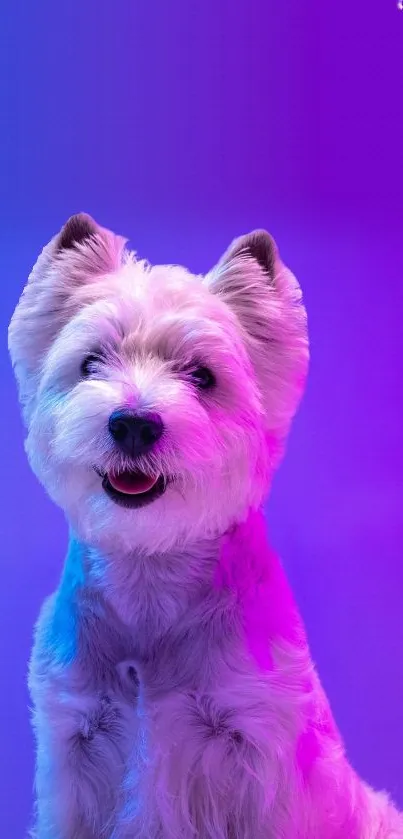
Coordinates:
174 694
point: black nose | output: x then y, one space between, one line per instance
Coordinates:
134 434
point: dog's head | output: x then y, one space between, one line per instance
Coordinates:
157 402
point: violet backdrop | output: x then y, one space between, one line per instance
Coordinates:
183 124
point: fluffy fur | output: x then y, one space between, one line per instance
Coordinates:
174 694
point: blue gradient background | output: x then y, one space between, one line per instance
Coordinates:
182 124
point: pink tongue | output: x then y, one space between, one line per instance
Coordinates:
131 483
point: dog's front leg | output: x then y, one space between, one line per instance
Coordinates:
210 771
83 742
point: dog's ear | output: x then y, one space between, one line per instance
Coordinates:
77 256
245 279
77 229
266 301
258 245
83 250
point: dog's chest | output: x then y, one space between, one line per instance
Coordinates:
150 598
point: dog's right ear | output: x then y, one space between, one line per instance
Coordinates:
78 255
77 229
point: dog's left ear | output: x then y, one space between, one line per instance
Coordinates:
266 301
258 245
245 279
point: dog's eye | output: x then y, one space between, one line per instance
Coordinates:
203 378
90 365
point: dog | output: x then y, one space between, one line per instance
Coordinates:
174 696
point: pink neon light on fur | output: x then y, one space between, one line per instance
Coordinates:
250 568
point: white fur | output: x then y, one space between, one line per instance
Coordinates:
154 717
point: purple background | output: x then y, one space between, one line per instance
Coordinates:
182 124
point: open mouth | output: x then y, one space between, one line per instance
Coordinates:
133 489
